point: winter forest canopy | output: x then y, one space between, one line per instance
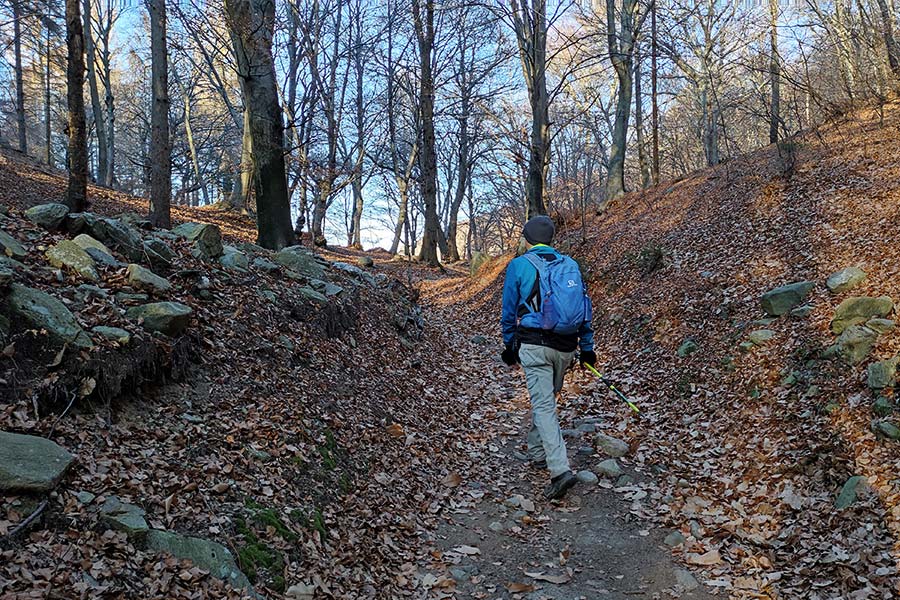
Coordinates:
421 127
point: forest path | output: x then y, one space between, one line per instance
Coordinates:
499 537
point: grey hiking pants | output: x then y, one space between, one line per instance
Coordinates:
544 370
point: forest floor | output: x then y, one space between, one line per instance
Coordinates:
407 451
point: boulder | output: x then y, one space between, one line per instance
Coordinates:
300 260
587 477
849 491
801 312
143 278
265 264
158 253
115 334
169 318
879 325
855 343
886 429
127 518
206 239
883 407
860 309
781 300
6 277
104 259
365 261
357 273
111 232
70 255
42 311
310 294
235 261
760 337
325 287
11 246
126 298
30 464
883 374
49 216
608 468
85 241
610 446
687 347
208 555
845 279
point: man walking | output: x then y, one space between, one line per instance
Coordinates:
546 316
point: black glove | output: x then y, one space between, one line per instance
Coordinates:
588 358
510 354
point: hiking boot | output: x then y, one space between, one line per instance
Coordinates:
559 485
540 463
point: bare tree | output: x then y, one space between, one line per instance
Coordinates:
252 23
160 151
425 36
76 193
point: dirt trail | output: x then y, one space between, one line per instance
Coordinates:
500 536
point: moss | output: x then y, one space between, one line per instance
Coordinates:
255 556
278 584
267 517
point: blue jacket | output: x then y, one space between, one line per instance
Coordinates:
519 282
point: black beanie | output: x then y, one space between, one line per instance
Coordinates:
539 230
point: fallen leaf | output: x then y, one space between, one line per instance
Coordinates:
396 430
220 488
451 480
468 550
564 578
88 384
706 559
519 587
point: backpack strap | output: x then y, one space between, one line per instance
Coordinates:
533 301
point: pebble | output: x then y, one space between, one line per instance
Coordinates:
609 468
674 539
686 580
587 477
497 526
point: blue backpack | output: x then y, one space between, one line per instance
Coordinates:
560 303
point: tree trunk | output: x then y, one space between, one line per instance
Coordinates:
621 53
639 121
76 192
887 30
774 73
48 134
401 216
654 106
96 108
243 186
252 24
160 150
20 87
425 34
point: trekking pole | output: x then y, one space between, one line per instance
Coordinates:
612 387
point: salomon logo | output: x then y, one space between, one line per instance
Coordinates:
572 283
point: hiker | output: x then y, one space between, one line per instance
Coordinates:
546 317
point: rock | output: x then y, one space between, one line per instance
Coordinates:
49 216
300 260
11 246
84 497
570 433
855 343
849 491
310 294
674 539
70 255
686 580
746 346
479 340
169 318
608 468
781 300
845 279
143 278
365 261
206 239
883 407
43 311
260 455
883 374
356 272
587 477
860 309
325 287
208 555
760 337
611 446
111 232
114 334
6 277
268 295
30 464
127 518
235 261
478 259
85 241
265 264
102 258
126 298
886 429
587 428
160 255
624 480
879 325
802 312
687 347
301 591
